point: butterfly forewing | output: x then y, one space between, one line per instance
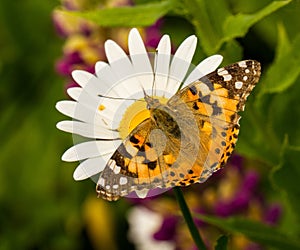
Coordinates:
215 100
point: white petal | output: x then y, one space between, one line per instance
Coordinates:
113 51
87 130
90 149
99 66
74 92
90 167
181 63
142 193
205 67
66 107
107 81
121 67
86 99
83 113
110 84
140 60
82 77
93 102
162 63
93 85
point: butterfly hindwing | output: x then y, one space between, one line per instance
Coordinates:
142 161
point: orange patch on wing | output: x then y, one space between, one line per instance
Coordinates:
169 159
197 170
204 109
143 171
132 167
140 139
207 128
225 103
191 96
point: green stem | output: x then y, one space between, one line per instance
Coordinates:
189 219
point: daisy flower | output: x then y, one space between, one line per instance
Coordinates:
109 104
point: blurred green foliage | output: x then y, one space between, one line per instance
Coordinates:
41 206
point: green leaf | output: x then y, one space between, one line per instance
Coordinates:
285 177
231 51
285 69
127 16
238 25
207 18
283 44
257 139
221 243
255 231
215 25
263 130
284 122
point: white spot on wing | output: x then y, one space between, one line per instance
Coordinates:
101 182
123 180
116 186
245 78
247 71
117 169
142 193
242 64
227 77
112 164
238 85
222 72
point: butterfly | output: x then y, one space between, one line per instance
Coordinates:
185 140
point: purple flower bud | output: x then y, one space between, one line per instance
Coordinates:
254 246
69 5
167 230
71 84
237 161
65 65
58 26
241 201
223 209
251 181
153 34
273 214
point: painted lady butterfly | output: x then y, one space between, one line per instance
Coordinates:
185 140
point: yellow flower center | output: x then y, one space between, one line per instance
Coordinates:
134 115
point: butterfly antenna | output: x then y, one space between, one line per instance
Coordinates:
154 70
147 98
121 98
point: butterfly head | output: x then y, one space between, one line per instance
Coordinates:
152 103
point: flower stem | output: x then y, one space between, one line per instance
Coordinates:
188 218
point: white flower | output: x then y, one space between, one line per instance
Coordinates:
102 99
143 223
